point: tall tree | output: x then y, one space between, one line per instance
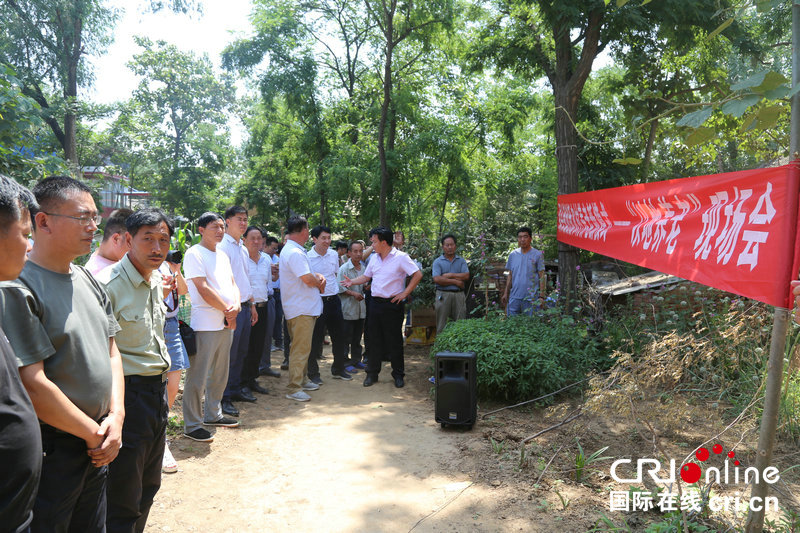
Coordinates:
47 41
561 40
399 21
184 105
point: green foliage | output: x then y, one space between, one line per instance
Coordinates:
522 357
583 462
22 154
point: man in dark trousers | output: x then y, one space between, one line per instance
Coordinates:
60 324
134 287
388 268
21 439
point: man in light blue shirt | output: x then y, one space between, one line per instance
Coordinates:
526 280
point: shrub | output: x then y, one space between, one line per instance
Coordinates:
521 358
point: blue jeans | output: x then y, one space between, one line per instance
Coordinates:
519 306
177 351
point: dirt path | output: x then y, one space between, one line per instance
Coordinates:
351 459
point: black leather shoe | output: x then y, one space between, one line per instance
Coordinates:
229 409
244 396
269 372
285 364
255 387
369 381
399 383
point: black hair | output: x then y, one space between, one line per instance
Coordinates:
525 229
341 244
269 240
383 233
149 216
116 222
350 245
53 191
296 224
251 228
234 210
13 199
207 218
316 231
448 236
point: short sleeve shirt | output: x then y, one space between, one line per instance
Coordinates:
352 309
328 266
297 298
389 274
525 270
444 266
260 275
276 260
97 262
200 262
139 310
64 321
20 445
237 254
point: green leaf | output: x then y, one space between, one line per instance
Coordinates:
696 118
762 6
645 2
738 107
720 29
753 81
767 117
777 94
772 80
627 161
608 2
621 3
793 91
748 123
699 136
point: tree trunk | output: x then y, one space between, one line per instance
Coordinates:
567 163
323 208
72 51
387 99
648 152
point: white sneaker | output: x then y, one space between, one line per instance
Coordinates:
310 385
299 396
168 463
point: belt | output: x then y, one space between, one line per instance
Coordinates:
145 380
379 299
276 291
261 304
329 298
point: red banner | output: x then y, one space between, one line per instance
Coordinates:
735 231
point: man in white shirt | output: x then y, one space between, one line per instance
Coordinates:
259 270
387 268
215 304
302 304
325 261
236 391
274 332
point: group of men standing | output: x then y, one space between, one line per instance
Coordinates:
89 362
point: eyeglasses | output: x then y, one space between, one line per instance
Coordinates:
84 220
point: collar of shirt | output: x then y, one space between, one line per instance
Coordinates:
134 275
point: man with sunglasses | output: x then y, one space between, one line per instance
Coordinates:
60 323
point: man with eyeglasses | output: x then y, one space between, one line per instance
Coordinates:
60 323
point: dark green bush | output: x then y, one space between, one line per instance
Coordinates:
521 358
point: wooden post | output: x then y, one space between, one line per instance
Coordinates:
772 394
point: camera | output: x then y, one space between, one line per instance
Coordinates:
175 256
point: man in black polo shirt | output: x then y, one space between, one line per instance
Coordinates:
61 327
20 440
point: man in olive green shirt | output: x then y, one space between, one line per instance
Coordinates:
135 288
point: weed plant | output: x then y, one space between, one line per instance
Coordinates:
521 357
687 338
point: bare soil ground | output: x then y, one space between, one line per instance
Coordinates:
358 459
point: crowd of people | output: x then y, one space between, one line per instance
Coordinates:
92 356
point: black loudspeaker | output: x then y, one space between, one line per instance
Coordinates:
456 388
